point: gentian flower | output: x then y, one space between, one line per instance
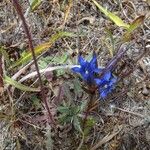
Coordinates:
87 69
106 84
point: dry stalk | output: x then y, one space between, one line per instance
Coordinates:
19 11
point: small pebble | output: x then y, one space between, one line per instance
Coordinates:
145 91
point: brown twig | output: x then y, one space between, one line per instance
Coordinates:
19 11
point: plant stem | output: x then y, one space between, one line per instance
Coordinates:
19 11
1 75
91 96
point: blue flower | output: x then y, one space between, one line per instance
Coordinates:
87 69
106 84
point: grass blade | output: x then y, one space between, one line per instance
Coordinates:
20 86
34 4
41 48
134 25
68 9
117 20
112 41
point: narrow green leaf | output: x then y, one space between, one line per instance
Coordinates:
77 86
110 35
34 4
117 20
77 124
20 86
63 109
134 25
41 48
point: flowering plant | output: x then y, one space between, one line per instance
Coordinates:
88 71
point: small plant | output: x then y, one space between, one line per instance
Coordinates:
90 71
59 96
71 113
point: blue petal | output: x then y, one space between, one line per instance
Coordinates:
97 70
98 81
94 59
113 81
103 94
107 76
76 69
85 76
101 82
81 61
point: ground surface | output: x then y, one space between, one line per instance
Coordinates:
121 122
